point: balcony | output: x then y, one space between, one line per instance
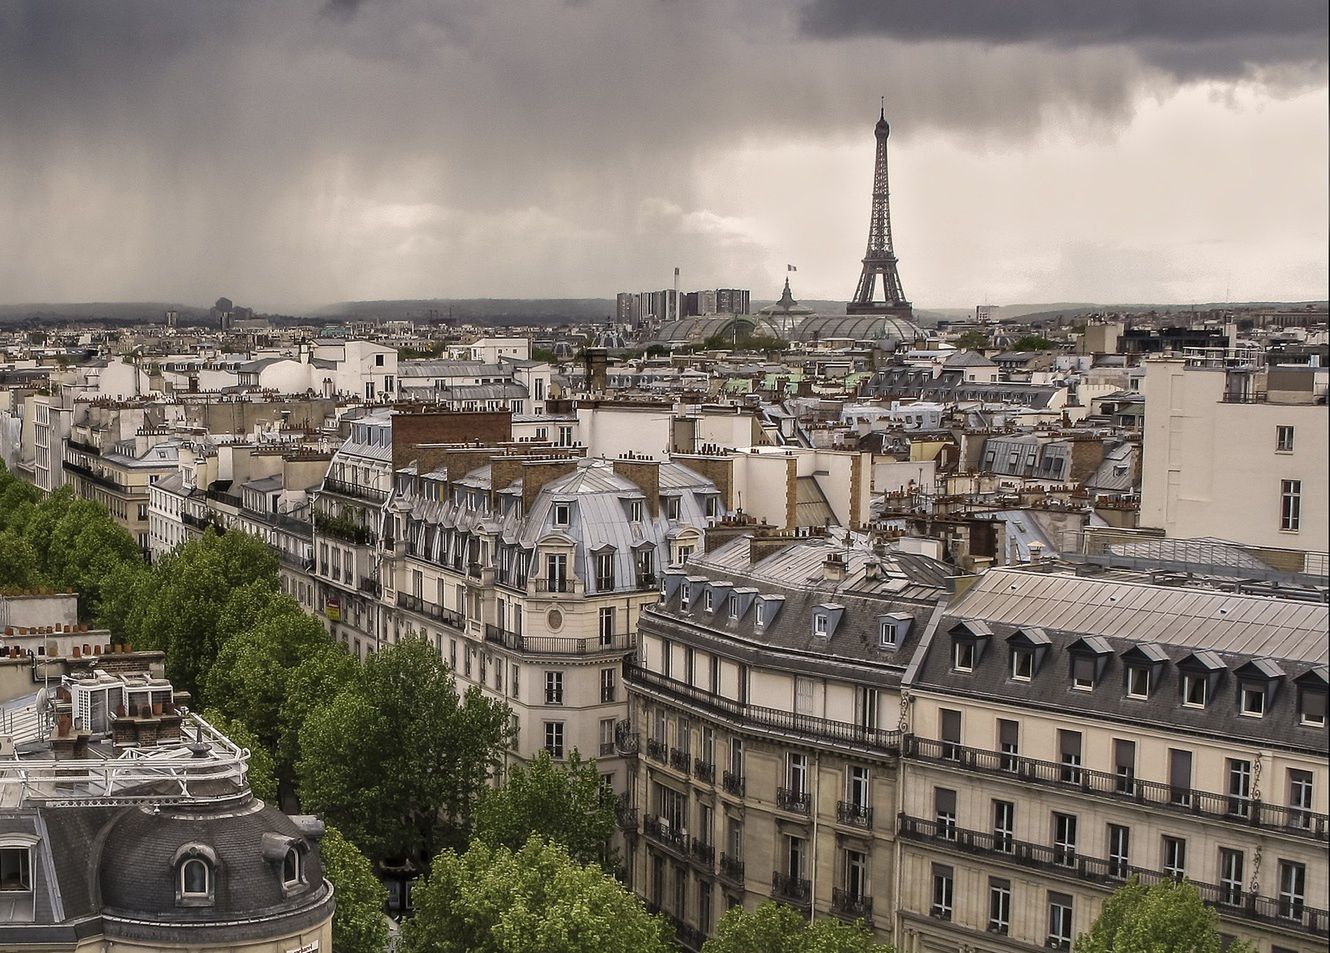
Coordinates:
760 717
796 802
852 906
703 853
731 868
625 815
657 751
428 609
680 760
855 815
355 490
1238 810
226 499
791 889
559 584
198 522
732 783
552 645
663 833
92 476
344 529
369 586
704 771
1108 874
626 740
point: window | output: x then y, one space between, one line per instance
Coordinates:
1119 851
951 733
194 878
1195 691
685 594
1064 839
1022 664
856 786
635 511
886 635
1138 681
795 848
1311 708
1290 505
1174 854
820 625
1292 889
1283 439
15 868
963 656
1253 700
608 678
1124 765
1059 921
607 736
707 603
734 607
944 806
944 892
796 773
1179 776
291 873
562 514
1300 798
1239 787
1004 825
672 509
760 614
1230 876
1009 733
554 688
605 625
856 874
999 906
605 572
554 739
1069 745
1082 673
803 695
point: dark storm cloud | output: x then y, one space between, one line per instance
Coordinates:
1188 37
307 150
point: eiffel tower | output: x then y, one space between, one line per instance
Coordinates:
880 259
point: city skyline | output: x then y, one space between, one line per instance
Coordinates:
328 151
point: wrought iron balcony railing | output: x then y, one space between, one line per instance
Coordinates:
731 868
791 889
796 802
857 815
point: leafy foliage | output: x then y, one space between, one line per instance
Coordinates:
562 802
536 900
1166 917
1032 342
359 925
262 776
775 928
396 759
973 341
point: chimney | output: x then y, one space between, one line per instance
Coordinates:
645 475
833 568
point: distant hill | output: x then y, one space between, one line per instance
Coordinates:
475 310
101 312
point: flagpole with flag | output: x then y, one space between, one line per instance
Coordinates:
790 268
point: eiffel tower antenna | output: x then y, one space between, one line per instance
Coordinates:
880 259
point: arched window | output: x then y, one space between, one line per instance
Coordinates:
291 873
195 878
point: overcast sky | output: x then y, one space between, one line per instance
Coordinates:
295 153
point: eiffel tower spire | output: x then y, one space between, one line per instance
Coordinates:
880 259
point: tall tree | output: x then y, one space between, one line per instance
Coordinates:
536 900
1166 917
563 802
397 760
359 925
262 775
775 928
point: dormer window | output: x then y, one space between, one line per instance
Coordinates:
672 508
195 878
963 656
886 635
292 868
562 514
1138 681
734 607
706 600
635 511
759 615
1311 708
1253 700
1195 691
820 625
1082 674
685 593
15 868
1022 664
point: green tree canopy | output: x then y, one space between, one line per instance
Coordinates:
1166 917
397 760
359 925
262 776
973 341
1033 342
775 928
18 564
536 900
563 802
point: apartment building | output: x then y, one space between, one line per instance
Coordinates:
1238 454
765 703
528 573
1066 732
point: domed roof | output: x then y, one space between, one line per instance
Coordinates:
140 853
884 331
